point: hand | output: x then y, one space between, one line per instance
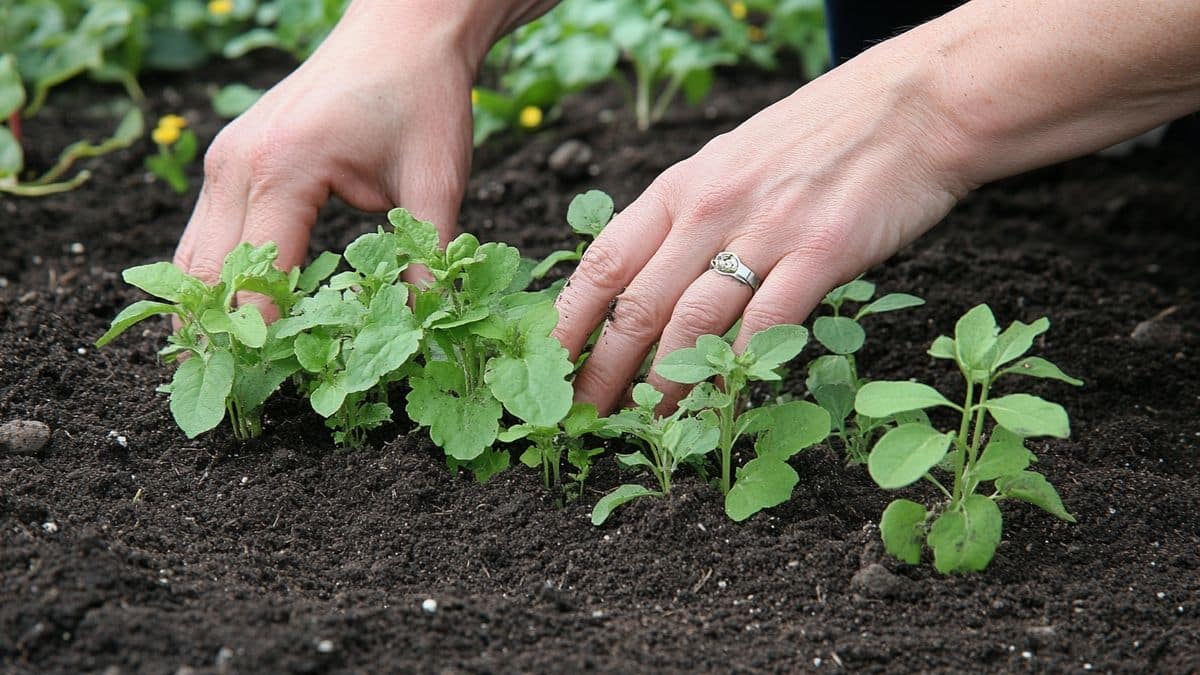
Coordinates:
380 115
808 193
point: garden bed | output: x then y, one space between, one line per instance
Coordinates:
124 544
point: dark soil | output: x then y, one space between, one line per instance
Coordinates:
124 546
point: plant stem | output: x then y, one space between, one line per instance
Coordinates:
960 449
664 100
642 100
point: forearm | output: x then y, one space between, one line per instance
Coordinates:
1018 85
470 26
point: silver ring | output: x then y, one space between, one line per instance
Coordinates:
728 264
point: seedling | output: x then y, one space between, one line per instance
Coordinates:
588 214
779 430
176 149
229 361
833 379
548 444
965 530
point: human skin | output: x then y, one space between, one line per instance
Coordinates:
809 192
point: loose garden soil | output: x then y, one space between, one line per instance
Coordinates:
125 547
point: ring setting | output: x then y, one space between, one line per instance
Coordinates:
726 263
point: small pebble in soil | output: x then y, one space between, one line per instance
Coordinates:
119 439
325 646
50 526
77 248
81 351
429 606
876 581
570 159
24 437
224 656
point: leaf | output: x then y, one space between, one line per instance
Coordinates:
138 311
646 396
905 454
831 383
533 387
1029 416
634 460
248 326
885 398
532 457
859 290
762 483
902 529
793 426
705 395
373 253
695 364
890 303
965 539
493 273
328 397
12 92
417 238
487 465
943 348
1017 339
318 271
253 385
12 157
690 437
199 391
161 279
1033 488
463 426
234 99
622 495
975 339
542 268
315 352
777 345
589 212
381 348
326 308
839 334
1004 454
1036 366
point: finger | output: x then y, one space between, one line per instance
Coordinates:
788 295
608 266
214 229
636 317
711 305
430 184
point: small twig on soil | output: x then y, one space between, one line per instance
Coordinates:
703 579
564 576
820 594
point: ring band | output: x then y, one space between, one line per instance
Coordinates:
727 263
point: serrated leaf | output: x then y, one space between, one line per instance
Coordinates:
890 303
762 483
883 399
646 396
489 463
965 539
831 382
380 349
839 334
463 426
704 395
493 273
138 311
905 454
777 345
253 385
902 529
372 252
620 496
1036 366
1004 454
589 212
1029 416
690 437
315 352
1033 488
199 391
534 386
417 238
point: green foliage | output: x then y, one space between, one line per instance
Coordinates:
964 531
547 445
229 360
713 418
172 160
833 380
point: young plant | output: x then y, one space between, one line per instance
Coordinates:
176 149
587 215
666 443
548 444
779 430
833 379
229 361
964 531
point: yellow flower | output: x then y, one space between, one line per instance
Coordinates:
531 117
474 97
738 10
172 121
220 7
165 135
756 34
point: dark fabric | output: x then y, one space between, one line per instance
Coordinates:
855 25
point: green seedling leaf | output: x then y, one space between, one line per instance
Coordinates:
234 99
248 326
1033 488
254 384
902 528
487 465
690 437
831 382
532 457
462 425
646 396
533 387
858 290
762 483
318 271
791 427
975 339
634 460
965 539
1017 339
839 334
543 268
1036 366
622 495
590 212
1004 455
328 398
373 253
12 157
417 238
315 352
389 338
326 308
706 395
883 399
493 273
777 345
160 279
890 303
138 311
199 390
711 356
905 454
1029 416
12 92
943 348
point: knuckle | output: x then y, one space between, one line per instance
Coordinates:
603 266
693 318
220 153
205 269
760 316
635 318
269 154
712 202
